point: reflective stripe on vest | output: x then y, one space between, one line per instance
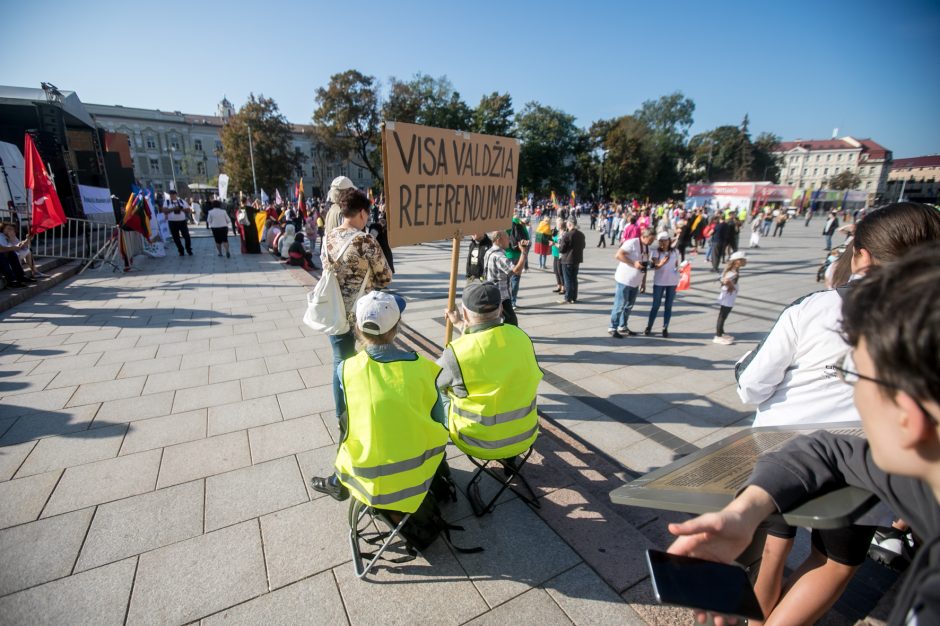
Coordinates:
499 418
399 466
491 445
384 499
392 448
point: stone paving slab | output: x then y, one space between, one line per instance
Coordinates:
41 551
104 481
305 539
94 598
585 599
195 578
48 423
288 437
142 523
534 606
22 500
68 450
243 415
205 457
253 491
159 432
312 600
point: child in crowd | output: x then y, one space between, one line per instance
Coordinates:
727 296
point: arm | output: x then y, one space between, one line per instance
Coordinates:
520 264
381 273
450 380
763 369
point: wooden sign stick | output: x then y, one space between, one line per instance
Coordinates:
452 289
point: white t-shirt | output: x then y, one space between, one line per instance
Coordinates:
668 274
727 298
635 250
173 216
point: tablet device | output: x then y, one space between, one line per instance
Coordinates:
700 584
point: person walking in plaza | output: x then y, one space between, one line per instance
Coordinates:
665 261
728 295
830 228
721 238
390 413
177 214
360 268
498 270
218 222
543 242
560 227
479 244
779 222
633 257
602 242
571 250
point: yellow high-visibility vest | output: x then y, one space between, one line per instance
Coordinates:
392 447
498 418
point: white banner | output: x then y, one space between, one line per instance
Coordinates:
223 186
96 200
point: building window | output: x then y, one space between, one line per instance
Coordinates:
313 151
174 143
182 167
836 171
815 171
151 142
200 168
197 145
361 173
825 171
313 171
154 166
804 171
840 156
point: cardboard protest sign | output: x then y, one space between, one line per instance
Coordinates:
446 183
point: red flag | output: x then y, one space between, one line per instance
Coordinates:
46 208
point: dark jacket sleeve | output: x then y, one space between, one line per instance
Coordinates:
814 464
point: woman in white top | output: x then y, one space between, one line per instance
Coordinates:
665 261
218 222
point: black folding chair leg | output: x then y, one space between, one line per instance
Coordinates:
357 512
524 489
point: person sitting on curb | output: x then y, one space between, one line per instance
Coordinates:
894 371
391 419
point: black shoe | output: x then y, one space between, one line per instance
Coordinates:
182 254
330 486
228 255
648 332
614 334
190 252
666 332
220 254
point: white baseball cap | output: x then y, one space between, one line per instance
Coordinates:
737 256
663 235
377 312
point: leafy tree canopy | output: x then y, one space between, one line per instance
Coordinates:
347 115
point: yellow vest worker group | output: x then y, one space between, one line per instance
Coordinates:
392 447
498 418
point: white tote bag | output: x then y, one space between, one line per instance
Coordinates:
326 312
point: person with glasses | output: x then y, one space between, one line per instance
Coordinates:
787 377
894 377
360 268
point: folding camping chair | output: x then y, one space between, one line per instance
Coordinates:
511 470
364 526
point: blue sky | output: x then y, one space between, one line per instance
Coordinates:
799 69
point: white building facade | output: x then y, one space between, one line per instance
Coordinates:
808 164
173 148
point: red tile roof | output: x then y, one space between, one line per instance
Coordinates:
932 160
871 149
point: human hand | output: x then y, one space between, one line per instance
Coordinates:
452 316
639 265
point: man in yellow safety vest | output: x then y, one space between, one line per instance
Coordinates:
392 433
490 377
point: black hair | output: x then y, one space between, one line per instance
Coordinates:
352 201
894 308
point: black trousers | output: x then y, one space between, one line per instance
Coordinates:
10 267
722 316
718 251
177 229
509 315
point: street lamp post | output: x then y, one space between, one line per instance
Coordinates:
251 155
173 169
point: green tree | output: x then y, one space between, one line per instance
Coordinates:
630 160
844 180
493 116
347 115
669 119
276 161
550 145
428 101
766 164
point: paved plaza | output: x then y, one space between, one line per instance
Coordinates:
158 431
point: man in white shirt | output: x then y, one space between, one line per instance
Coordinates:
634 257
177 214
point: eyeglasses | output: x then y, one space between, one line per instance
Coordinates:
851 377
